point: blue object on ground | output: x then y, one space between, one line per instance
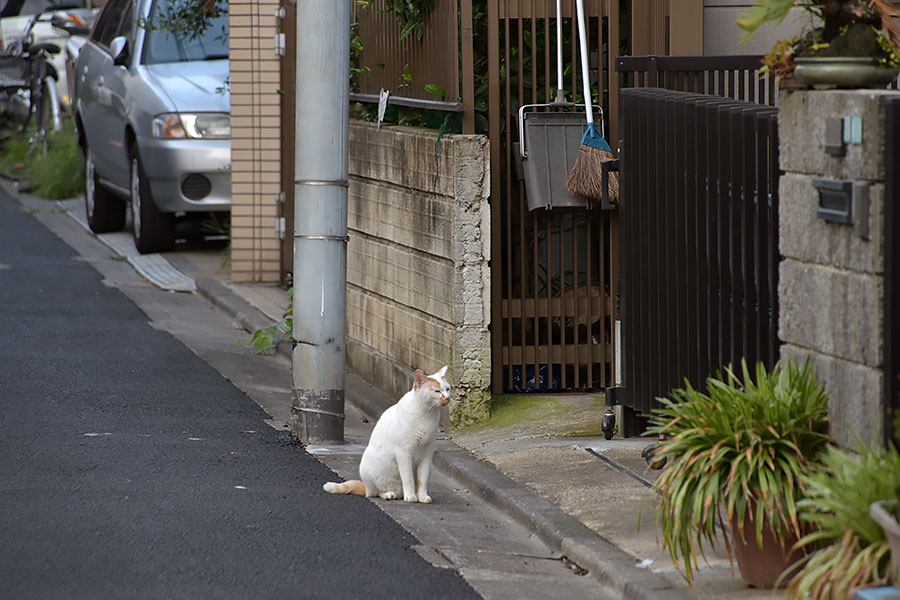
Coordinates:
879 593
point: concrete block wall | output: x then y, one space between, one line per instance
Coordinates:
255 142
418 280
831 289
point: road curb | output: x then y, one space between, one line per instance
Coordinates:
604 561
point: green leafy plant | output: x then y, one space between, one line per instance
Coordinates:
266 339
746 441
410 14
845 28
849 548
49 167
219 224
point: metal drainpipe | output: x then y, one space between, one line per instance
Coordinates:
320 220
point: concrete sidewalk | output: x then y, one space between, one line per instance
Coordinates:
536 460
539 460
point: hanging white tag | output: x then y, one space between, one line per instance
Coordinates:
382 105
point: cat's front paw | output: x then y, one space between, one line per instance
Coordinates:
424 498
410 498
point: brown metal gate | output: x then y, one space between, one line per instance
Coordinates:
699 235
551 270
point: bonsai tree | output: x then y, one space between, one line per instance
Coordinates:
867 28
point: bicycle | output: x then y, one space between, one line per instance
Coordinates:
28 83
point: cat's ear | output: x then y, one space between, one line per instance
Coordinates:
442 372
419 378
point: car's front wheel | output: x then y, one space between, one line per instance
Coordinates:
154 231
105 212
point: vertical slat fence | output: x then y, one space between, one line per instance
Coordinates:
698 245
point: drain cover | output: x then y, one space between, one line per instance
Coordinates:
154 267
161 273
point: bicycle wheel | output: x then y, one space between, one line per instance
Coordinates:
45 106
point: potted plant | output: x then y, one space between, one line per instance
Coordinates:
847 549
857 43
735 454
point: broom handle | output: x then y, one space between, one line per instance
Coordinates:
559 65
579 4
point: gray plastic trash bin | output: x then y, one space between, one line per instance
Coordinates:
551 141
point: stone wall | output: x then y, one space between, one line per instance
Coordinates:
831 289
418 279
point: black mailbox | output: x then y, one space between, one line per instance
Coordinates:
835 200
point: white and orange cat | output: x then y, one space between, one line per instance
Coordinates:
397 461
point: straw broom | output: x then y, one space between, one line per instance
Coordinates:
585 178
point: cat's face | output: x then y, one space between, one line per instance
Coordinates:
435 386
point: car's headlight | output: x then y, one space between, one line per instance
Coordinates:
197 126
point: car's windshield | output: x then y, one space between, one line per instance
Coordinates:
177 35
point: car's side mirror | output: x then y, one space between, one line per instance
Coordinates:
118 47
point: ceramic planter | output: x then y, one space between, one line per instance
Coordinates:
760 567
824 72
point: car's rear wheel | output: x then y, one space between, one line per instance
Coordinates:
105 212
154 231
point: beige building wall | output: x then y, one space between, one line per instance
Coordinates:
255 142
722 36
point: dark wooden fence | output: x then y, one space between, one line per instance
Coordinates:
698 241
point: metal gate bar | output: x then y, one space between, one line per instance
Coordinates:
892 267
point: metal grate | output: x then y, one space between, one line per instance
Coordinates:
196 186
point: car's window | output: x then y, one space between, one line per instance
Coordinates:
126 24
166 42
109 21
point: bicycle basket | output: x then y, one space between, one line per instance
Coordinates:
13 72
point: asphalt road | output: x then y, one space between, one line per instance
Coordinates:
130 468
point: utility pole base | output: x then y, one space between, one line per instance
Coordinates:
317 416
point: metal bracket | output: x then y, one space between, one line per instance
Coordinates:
279 36
605 168
280 224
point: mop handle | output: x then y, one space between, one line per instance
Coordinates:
559 62
584 62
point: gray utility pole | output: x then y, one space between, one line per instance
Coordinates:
320 220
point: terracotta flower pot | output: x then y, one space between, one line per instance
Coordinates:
760 567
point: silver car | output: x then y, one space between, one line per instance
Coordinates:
152 116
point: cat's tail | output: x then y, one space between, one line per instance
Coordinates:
353 486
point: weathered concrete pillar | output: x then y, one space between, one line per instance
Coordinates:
831 289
